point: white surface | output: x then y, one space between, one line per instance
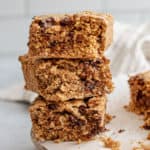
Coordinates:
15 124
15 127
124 120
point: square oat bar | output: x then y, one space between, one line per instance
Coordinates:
61 79
82 35
72 120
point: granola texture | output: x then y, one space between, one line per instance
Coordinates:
140 96
61 79
72 120
82 35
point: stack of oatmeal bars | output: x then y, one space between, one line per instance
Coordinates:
66 66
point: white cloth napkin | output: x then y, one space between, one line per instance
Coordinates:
129 53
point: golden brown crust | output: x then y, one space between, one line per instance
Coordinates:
61 79
71 120
83 35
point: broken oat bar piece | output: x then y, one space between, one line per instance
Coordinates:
72 120
140 95
81 35
140 91
61 79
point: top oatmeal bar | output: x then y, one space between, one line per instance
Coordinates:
83 35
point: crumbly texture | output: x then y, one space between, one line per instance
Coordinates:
140 96
110 143
61 79
82 35
71 120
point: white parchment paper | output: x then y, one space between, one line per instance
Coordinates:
124 120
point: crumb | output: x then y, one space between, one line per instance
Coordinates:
126 107
148 136
108 118
106 130
110 143
57 141
121 130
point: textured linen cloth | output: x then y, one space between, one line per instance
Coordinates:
129 54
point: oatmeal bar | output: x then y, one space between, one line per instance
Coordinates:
81 35
61 79
140 95
140 91
72 120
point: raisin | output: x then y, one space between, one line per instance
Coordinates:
139 95
79 38
66 21
75 121
146 127
41 23
89 86
50 21
47 22
82 110
53 44
141 82
52 106
99 39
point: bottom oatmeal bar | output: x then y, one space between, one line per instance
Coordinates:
71 120
140 95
